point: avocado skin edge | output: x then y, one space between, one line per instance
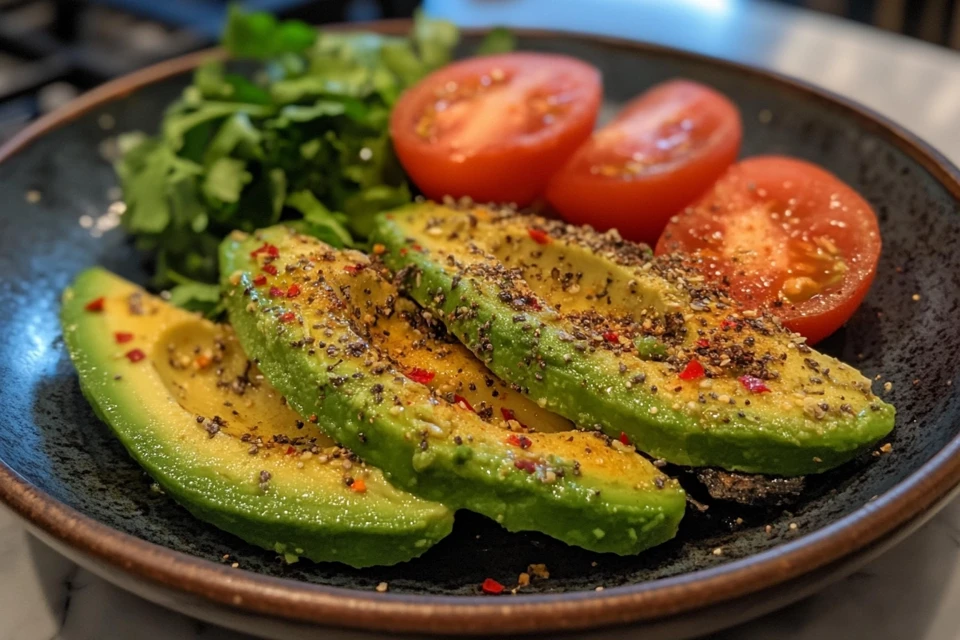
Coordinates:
443 473
673 435
205 495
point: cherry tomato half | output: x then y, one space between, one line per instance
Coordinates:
495 128
788 236
664 149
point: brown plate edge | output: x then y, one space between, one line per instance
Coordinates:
870 526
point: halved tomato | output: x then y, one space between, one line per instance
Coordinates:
664 149
495 128
788 236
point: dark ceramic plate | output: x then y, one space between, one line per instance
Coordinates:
77 489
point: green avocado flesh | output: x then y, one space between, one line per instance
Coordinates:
330 331
198 416
596 329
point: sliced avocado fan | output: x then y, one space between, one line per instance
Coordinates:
597 329
380 376
198 416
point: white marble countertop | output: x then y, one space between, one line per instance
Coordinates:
910 593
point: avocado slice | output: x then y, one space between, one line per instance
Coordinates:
330 331
189 406
598 330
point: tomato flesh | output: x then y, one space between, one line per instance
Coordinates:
786 236
495 128
663 150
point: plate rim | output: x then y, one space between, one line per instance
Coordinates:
869 526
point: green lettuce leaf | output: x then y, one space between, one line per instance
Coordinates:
297 132
499 40
261 36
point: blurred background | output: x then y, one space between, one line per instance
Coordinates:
51 50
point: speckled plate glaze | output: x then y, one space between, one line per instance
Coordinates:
77 489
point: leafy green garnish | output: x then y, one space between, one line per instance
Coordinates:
320 221
261 36
197 296
435 41
298 134
499 40
297 131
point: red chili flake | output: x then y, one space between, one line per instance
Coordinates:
95 305
271 269
291 450
534 303
276 292
259 280
420 375
727 324
288 317
202 361
526 465
519 441
417 247
462 402
624 439
403 251
703 343
123 336
611 336
754 384
693 371
358 486
354 269
539 236
293 291
135 355
508 415
266 248
492 587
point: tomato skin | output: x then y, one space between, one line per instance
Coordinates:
821 206
639 205
509 166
